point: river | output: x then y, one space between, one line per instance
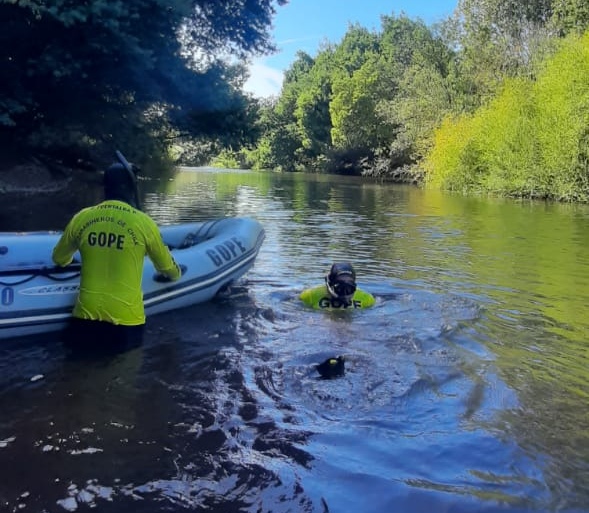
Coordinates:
466 386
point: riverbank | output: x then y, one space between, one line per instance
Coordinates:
31 176
29 187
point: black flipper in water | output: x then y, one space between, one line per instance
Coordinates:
332 367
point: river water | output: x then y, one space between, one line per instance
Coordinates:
466 386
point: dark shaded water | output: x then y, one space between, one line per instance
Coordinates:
466 386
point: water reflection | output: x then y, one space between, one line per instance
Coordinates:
511 265
464 385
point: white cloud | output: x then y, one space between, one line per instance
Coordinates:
264 80
297 40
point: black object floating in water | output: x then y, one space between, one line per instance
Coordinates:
332 367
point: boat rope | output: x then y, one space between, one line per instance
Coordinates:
48 273
12 284
194 238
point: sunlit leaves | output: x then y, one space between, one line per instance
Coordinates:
562 96
94 67
532 140
499 38
352 108
570 16
341 104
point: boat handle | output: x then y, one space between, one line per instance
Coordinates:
162 278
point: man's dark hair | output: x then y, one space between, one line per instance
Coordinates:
120 184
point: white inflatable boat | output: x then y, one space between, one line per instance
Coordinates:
37 297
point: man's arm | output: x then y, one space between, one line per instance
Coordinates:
160 255
66 246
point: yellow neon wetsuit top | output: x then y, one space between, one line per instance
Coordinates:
320 298
113 239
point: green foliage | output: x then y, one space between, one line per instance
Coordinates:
291 127
498 39
483 102
228 159
530 141
333 112
562 97
570 16
98 73
447 164
423 99
351 53
352 108
402 39
277 149
311 113
426 92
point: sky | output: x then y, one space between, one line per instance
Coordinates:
305 24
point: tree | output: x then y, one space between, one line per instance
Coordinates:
499 38
281 139
353 107
570 16
312 107
84 73
401 93
354 79
424 88
531 140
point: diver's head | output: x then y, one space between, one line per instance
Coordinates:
120 183
341 281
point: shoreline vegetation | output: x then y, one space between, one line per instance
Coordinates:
25 177
43 196
493 100
31 177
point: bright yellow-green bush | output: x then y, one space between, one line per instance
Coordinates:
454 162
530 141
562 98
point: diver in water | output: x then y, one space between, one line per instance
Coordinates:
113 237
339 290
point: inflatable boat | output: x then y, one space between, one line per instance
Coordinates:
37 297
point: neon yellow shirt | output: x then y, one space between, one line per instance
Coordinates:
113 239
320 298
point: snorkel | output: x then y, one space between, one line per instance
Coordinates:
131 169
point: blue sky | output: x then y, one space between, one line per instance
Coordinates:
305 24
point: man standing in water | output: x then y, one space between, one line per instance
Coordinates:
339 291
113 238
